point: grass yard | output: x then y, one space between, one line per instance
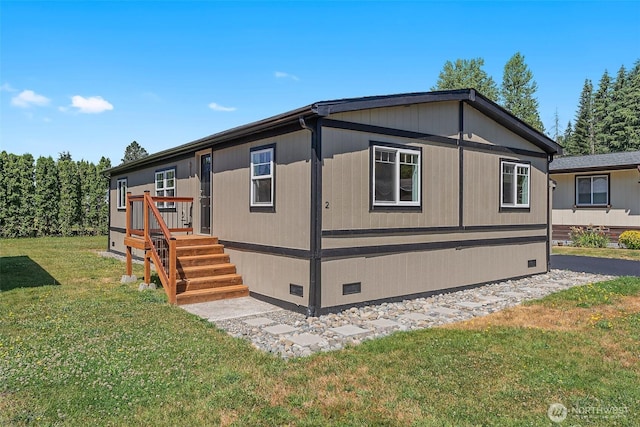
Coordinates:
79 348
631 254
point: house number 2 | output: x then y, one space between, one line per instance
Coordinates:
326 205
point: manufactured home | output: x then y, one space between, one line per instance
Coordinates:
601 190
342 202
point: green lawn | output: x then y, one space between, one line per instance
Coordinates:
632 254
79 348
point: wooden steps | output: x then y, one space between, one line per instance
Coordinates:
204 272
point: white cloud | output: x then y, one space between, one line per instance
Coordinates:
283 75
28 98
90 105
6 87
218 107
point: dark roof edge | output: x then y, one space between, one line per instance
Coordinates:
273 122
593 168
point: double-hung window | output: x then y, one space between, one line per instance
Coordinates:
514 184
166 186
262 177
395 176
121 193
592 190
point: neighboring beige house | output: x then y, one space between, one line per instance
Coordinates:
345 202
601 190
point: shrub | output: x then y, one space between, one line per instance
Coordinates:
630 239
591 237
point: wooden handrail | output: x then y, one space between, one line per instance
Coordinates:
167 276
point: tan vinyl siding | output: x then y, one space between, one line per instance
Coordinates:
388 276
288 226
346 183
624 200
438 118
482 190
271 275
480 128
417 237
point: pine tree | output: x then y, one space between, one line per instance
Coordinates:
631 99
619 112
134 151
556 127
566 140
518 90
69 213
11 224
465 74
583 141
88 210
602 113
47 197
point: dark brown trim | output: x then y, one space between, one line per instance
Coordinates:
591 175
392 208
266 249
594 169
428 246
279 303
272 208
426 294
549 206
381 130
430 230
501 149
460 143
118 229
315 220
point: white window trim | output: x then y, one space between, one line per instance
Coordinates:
270 175
121 193
397 201
165 187
515 203
591 177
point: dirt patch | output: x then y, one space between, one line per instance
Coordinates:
557 319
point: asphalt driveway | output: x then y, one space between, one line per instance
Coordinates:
614 267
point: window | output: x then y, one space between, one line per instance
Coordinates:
262 177
396 176
166 186
514 185
121 190
592 190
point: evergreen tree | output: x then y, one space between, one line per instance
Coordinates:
102 195
88 209
625 116
12 197
518 91
566 140
583 141
26 179
602 114
556 127
69 214
464 74
4 164
134 151
47 197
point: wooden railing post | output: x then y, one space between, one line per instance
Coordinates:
129 210
172 271
145 213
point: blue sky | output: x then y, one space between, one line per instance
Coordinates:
89 77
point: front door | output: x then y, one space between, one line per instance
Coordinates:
205 194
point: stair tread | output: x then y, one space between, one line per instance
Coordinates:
204 256
218 278
206 267
230 288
